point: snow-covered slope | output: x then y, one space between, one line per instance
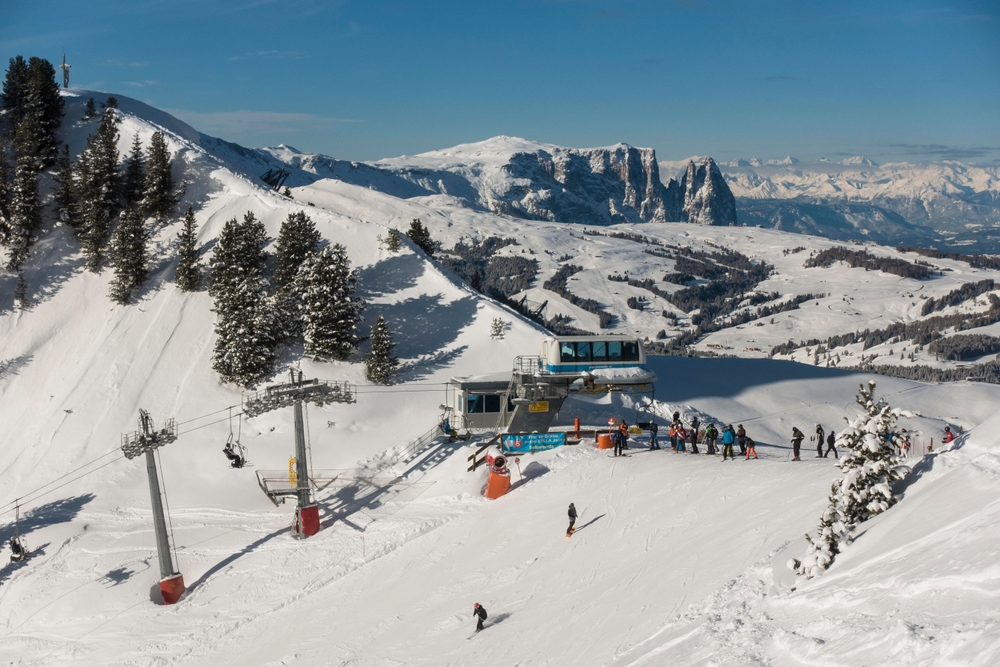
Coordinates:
673 559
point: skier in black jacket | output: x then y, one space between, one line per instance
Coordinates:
797 437
572 520
480 611
831 445
819 441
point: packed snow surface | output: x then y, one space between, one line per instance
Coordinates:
677 560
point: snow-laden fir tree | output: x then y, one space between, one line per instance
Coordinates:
25 204
297 239
43 99
98 182
5 186
244 345
238 254
496 328
393 241
15 90
64 196
21 293
380 364
244 309
421 236
90 109
330 310
865 490
160 197
134 178
128 256
188 275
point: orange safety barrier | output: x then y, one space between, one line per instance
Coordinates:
604 442
497 485
172 588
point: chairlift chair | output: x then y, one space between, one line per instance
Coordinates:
18 548
234 450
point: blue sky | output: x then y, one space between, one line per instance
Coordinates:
910 80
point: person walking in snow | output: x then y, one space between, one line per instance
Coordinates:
728 438
831 445
711 436
480 611
797 438
694 435
572 520
751 449
654 443
819 441
741 438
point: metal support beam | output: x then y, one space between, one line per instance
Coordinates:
159 519
301 467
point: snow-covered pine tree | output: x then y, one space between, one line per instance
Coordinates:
44 98
25 204
865 490
496 328
159 195
21 293
393 241
15 91
244 346
65 197
128 256
239 253
90 110
331 312
380 364
5 187
99 186
421 236
297 240
188 275
134 178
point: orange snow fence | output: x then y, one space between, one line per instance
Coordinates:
172 588
497 485
604 442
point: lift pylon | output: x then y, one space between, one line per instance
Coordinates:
145 441
293 394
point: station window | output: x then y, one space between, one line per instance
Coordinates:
614 350
567 352
583 351
599 350
484 403
630 351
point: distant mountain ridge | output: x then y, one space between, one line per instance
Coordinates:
535 181
942 204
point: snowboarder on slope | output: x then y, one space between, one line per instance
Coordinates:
480 611
751 449
819 441
741 437
654 442
572 520
797 437
728 438
831 445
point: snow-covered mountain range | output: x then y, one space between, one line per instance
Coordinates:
677 561
946 203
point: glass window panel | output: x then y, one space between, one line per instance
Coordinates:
631 351
476 403
583 351
599 351
614 350
492 403
567 352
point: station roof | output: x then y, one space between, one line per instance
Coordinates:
489 382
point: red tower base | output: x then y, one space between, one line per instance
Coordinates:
172 588
307 520
497 485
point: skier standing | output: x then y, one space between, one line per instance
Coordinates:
751 449
694 435
797 437
831 445
616 438
711 435
480 611
623 427
728 438
572 520
819 441
654 443
741 437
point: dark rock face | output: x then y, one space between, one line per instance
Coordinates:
707 199
608 186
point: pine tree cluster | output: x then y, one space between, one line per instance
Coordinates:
864 490
421 236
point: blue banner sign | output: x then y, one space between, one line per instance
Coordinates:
513 443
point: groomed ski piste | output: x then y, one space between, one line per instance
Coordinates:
679 559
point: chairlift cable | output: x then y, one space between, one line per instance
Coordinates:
25 498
